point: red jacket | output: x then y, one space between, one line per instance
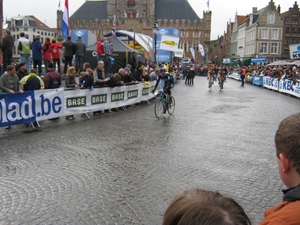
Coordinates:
47 51
100 48
55 50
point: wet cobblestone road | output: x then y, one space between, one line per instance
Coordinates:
124 167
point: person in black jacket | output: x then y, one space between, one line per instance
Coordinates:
132 61
7 49
69 49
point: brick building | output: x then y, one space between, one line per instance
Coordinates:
97 16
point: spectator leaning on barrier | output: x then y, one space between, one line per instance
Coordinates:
87 80
198 206
52 78
22 71
9 81
99 74
70 81
32 81
24 50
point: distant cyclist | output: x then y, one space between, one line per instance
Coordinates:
221 78
167 80
210 77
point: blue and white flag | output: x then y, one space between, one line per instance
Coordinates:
201 50
65 20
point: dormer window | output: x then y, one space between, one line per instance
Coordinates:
271 18
131 15
25 22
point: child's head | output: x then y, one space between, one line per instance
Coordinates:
89 72
288 150
197 206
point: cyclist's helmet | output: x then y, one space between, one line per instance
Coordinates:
162 70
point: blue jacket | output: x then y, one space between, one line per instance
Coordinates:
36 47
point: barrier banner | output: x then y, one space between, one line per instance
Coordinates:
234 75
257 80
287 86
31 106
271 83
46 104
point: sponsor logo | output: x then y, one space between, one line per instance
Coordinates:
170 43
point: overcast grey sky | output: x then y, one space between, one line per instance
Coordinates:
222 10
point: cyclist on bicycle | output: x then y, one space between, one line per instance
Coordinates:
221 78
210 76
167 79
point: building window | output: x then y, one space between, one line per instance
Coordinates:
131 3
196 33
25 28
17 29
271 18
25 22
131 15
274 48
287 29
293 29
196 46
275 34
295 17
264 48
33 29
264 34
184 33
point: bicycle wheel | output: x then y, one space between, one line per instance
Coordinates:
159 108
171 105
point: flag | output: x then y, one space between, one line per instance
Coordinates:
207 3
113 31
201 50
65 20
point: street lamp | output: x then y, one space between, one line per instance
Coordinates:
155 29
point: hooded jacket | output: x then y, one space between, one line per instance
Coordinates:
55 50
287 212
47 51
36 47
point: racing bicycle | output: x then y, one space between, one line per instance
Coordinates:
164 104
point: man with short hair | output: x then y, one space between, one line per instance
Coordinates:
9 81
69 50
37 56
108 48
22 71
80 51
24 50
52 78
32 81
7 49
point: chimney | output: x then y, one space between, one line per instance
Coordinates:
254 9
278 8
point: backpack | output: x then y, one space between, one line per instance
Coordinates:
54 83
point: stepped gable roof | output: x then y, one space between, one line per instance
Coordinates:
174 9
91 10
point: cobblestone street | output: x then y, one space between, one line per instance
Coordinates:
124 167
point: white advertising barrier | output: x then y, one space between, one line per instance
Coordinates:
46 104
234 75
271 83
287 86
